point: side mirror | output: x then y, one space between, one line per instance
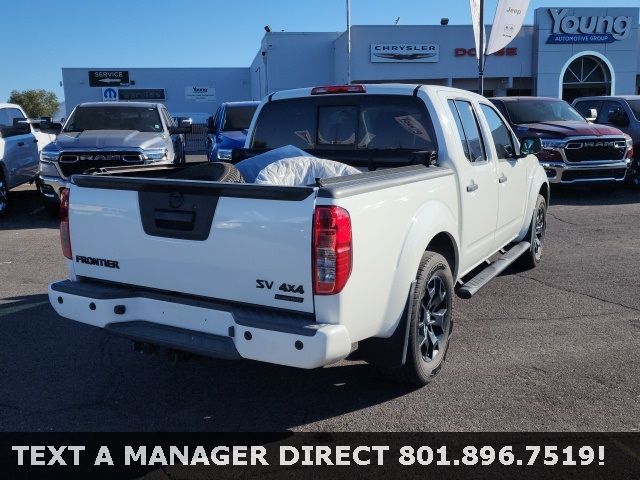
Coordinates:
186 122
593 114
530 146
47 126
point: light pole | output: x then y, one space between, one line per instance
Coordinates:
348 42
481 52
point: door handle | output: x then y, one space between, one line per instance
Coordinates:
21 144
473 187
502 179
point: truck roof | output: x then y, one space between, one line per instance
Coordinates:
248 103
119 104
9 105
524 97
609 97
377 89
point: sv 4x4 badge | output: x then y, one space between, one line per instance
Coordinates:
284 287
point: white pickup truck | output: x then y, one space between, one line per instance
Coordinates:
364 265
20 141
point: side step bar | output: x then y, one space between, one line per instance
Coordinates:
471 287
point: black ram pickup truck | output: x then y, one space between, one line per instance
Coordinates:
574 150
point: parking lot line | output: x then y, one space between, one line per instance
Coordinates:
19 308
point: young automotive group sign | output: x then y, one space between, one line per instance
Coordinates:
588 28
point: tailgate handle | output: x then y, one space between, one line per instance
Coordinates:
174 220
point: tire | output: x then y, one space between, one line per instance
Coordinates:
429 333
52 209
212 171
4 195
531 258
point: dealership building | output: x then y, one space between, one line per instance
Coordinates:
567 52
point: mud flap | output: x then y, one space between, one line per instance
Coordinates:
390 352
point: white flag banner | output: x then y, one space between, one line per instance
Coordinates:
507 23
475 21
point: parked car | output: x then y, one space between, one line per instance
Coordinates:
622 112
574 150
107 134
228 129
363 265
20 141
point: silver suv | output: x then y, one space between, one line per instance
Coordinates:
622 112
109 134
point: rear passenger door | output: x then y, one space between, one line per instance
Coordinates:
478 185
512 176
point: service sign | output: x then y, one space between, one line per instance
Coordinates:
200 94
108 78
405 52
570 29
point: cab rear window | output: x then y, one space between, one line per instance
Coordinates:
349 122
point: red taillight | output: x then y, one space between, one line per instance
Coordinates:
338 89
331 250
65 238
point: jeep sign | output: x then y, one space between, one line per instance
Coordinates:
587 28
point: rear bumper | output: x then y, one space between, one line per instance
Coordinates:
586 172
201 326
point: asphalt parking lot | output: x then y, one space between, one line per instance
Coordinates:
551 349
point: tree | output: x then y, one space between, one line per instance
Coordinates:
37 103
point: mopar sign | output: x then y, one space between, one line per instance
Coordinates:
413 53
109 94
587 28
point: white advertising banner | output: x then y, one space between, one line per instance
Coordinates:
475 21
507 23
200 94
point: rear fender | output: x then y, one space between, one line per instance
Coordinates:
433 218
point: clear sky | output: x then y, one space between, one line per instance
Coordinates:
39 37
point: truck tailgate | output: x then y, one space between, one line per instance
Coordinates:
233 242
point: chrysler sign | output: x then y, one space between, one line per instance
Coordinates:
587 28
405 52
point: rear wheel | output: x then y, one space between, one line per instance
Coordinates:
531 258
4 196
431 322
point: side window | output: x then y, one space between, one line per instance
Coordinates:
216 121
585 107
500 132
5 121
468 129
15 113
613 113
